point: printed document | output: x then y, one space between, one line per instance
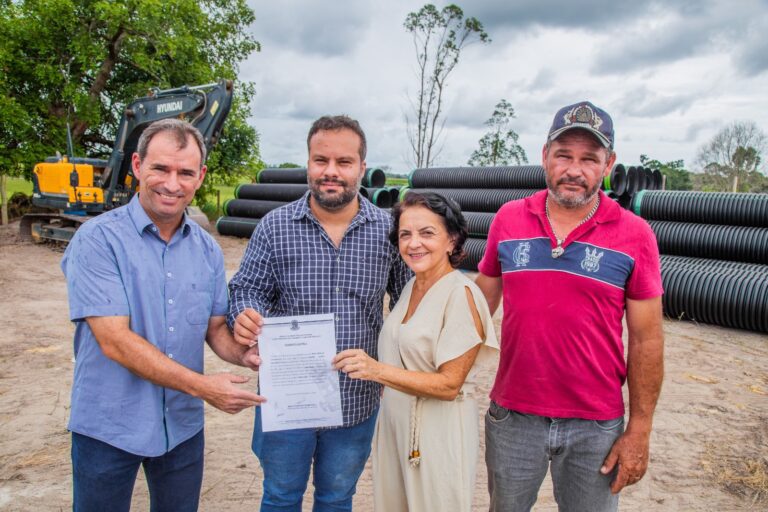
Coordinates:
296 375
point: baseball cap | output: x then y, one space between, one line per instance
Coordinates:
583 115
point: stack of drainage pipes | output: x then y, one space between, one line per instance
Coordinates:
714 255
277 187
625 182
481 191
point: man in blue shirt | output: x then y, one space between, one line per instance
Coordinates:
146 288
328 252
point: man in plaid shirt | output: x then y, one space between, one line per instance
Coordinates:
328 252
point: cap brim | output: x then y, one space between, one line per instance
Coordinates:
597 133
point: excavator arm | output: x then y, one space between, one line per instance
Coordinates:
205 106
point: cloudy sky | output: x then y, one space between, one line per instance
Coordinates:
671 73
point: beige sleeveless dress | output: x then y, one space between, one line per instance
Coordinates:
443 433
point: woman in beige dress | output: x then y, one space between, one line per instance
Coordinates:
425 447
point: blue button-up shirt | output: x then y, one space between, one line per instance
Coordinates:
117 265
291 267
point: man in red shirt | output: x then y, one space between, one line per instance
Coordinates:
570 262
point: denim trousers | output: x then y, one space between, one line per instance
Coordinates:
337 457
521 447
104 476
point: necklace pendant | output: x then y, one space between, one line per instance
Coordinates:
558 251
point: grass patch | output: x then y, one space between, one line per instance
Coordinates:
214 209
741 467
396 182
18 185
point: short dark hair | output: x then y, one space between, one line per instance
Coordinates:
177 128
446 208
336 123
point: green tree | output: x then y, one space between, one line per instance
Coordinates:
499 146
732 160
677 177
439 36
86 59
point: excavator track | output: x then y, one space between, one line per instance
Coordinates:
59 227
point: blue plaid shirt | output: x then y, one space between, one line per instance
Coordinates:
291 267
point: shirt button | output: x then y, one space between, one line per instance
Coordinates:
169 274
170 301
154 228
337 288
167 409
338 259
171 329
337 318
170 356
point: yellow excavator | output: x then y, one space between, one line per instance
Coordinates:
77 188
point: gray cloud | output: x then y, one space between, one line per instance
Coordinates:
642 102
319 28
545 79
590 14
665 71
693 30
751 57
693 130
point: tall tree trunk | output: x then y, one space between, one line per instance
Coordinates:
100 81
4 199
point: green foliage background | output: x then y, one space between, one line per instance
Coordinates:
84 60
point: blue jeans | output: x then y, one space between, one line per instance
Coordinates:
286 456
520 447
103 476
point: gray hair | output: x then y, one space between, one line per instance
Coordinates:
177 128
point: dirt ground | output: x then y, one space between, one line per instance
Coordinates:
709 448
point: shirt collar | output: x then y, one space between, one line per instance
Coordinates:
142 222
365 213
608 211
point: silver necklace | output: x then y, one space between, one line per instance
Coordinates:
559 250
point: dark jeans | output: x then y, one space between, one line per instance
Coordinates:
104 476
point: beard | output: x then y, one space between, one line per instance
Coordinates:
337 200
572 200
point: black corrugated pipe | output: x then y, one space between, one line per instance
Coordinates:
736 209
271 191
236 226
734 243
731 298
373 177
658 180
394 194
296 175
670 261
481 199
252 208
475 248
650 181
625 201
632 181
478 223
515 177
381 197
617 180
640 175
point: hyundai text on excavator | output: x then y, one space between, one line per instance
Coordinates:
78 188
